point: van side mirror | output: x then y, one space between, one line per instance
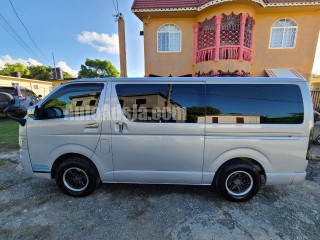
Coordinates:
38 112
22 121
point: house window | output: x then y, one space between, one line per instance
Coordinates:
215 120
140 102
79 103
240 120
169 38
92 103
283 34
35 87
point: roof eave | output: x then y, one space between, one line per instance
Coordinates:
214 2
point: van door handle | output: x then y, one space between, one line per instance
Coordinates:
92 125
121 126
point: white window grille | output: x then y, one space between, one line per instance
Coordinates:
169 38
283 34
35 87
14 84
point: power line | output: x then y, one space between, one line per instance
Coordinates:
9 27
34 42
116 6
14 37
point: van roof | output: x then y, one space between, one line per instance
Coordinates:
192 79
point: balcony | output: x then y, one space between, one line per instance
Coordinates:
224 37
225 53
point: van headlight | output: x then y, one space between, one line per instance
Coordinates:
23 142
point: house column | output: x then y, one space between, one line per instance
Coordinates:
196 29
217 38
252 39
242 29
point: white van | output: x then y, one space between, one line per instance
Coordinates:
236 134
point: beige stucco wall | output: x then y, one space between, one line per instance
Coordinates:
301 57
38 87
164 64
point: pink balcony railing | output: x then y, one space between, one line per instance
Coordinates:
225 53
206 54
247 54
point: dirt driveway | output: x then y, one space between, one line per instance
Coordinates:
35 209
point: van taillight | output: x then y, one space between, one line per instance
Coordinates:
21 97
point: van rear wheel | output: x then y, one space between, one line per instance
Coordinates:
77 177
238 181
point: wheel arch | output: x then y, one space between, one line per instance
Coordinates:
255 164
247 155
64 157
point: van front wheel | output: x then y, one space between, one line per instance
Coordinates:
238 182
77 177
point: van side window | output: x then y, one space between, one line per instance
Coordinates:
255 103
184 103
75 100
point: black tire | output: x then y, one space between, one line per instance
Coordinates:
238 181
77 177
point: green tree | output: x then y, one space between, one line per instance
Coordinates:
66 76
15 67
97 69
40 72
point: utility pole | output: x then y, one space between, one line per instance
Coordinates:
122 46
55 68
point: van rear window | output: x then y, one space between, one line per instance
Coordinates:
255 103
9 90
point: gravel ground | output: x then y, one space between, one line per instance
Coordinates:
36 209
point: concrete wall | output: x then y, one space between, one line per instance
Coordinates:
38 87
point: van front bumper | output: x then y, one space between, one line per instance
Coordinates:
25 162
27 167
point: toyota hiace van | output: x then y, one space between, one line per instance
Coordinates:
235 134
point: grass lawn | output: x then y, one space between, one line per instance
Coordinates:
9 133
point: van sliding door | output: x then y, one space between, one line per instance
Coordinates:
158 131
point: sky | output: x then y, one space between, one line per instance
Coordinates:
73 30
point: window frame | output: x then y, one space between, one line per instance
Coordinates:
119 107
53 95
169 39
295 38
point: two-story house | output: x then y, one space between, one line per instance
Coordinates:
224 37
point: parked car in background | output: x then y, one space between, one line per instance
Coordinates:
5 100
23 98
